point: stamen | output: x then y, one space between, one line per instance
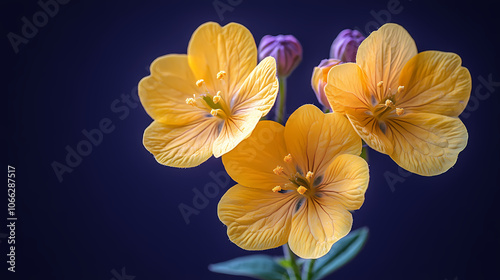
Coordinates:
214 112
380 84
400 89
309 175
216 98
278 170
400 111
200 83
301 190
277 189
288 158
190 101
221 75
389 103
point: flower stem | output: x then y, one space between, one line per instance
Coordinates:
290 256
364 152
280 107
310 269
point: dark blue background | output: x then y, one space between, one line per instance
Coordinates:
119 207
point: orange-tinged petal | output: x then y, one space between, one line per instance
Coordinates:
318 224
435 82
235 129
231 48
252 162
163 94
371 131
259 90
383 55
426 144
347 88
181 146
314 139
257 219
346 181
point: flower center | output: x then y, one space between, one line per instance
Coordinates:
209 101
388 106
298 182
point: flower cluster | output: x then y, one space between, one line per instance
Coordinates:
297 183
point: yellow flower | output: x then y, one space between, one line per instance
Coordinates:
404 104
296 184
208 101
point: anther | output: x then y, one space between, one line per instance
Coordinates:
216 98
380 84
400 111
200 83
190 101
389 103
221 75
288 158
278 170
309 175
301 190
214 112
277 189
400 89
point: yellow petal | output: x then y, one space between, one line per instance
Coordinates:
163 94
371 131
426 144
347 88
234 130
314 139
257 219
346 181
231 48
252 162
181 146
318 224
259 90
435 82
382 56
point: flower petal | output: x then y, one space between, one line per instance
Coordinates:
231 48
259 90
435 83
371 131
252 162
317 225
346 181
235 129
257 219
181 146
347 88
382 56
426 144
314 139
163 94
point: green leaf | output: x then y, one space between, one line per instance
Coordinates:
256 266
341 253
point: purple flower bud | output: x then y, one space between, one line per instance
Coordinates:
286 49
345 46
319 79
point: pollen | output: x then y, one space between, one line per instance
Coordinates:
400 111
190 101
200 83
380 84
221 75
216 98
278 170
400 89
301 190
309 175
288 158
389 103
277 189
214 112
